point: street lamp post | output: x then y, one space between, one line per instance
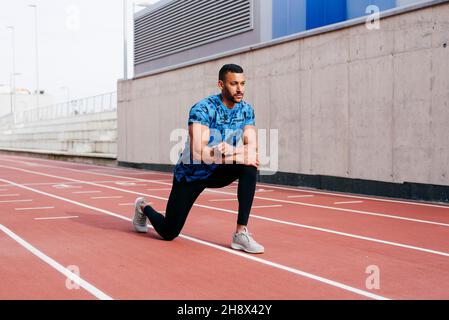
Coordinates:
37 52
13 74
12 80
125 39
11 91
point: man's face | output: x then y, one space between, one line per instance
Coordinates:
233 87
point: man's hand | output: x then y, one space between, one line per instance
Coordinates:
226 149
223 153
252 160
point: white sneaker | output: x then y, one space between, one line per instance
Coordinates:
244 241
140 219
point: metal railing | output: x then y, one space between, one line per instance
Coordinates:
90 105
6 120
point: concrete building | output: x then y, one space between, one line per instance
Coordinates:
357 110
292 16
172 32
175 31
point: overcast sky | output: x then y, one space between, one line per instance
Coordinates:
80 45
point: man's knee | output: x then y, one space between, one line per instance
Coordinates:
249 171
170 236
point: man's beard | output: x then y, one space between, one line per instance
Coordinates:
231 97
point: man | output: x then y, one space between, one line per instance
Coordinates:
211 159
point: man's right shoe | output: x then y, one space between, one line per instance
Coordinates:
244 241
140 219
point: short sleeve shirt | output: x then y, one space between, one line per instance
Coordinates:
226 125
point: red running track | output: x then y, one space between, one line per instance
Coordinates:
58 217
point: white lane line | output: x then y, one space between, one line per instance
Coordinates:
395 244
123 170
234 252
159 189
267 206
14 201
302 196
9 195
127 169
348 202
35 208
356 211
85 192
132 204
120 183
354 196
112 197
140 173
65 186
263 190
350 235
126 184
57 218
220 200
284 201
57 266
53 184
32 164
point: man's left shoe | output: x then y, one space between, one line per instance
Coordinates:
140 219
244 241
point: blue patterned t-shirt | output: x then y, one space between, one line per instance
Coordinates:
226 125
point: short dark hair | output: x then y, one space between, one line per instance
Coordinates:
229 68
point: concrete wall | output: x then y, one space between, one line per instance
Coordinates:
348 103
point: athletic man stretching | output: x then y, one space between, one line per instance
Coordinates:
211 159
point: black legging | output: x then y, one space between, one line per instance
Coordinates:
184 194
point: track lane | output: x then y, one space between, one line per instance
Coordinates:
280 196
130 266
161 203
380 228
26 277
294 246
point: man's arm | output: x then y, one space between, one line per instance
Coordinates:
199 140
250 143
247 153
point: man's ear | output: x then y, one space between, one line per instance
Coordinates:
220 84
